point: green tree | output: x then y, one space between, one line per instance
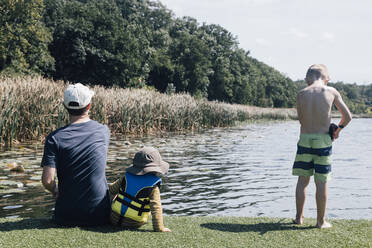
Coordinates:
24 38
191 58
92 43
158 21
222 44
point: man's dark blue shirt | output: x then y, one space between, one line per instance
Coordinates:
79 154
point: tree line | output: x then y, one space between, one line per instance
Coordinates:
136 43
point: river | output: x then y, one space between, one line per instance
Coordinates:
238 171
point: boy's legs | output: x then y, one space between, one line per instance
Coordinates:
302 183
322 168
321 204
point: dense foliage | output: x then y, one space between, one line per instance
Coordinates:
357 97
135 43
24 38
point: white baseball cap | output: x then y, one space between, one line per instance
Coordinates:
77 96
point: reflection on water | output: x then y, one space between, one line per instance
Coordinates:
241 171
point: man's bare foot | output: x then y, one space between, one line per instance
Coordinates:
298 221
325 224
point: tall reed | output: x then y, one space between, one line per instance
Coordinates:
31 107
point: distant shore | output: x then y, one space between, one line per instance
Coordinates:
31 107
338 115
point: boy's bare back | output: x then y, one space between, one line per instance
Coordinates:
314 103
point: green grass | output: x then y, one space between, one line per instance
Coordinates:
203 232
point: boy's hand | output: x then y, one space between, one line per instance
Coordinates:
166 229
336 133
332 130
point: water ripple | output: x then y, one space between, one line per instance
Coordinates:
239 171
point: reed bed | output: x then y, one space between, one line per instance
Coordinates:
31 107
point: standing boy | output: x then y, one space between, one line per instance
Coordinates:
314 105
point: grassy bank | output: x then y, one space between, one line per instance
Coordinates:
30 108
190 232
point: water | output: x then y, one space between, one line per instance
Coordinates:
240 171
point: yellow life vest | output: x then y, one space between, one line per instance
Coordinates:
133 200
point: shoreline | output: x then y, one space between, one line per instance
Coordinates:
355 116
32 108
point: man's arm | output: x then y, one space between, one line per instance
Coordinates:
47 178
115 187
344 110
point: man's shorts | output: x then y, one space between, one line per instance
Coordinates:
313 157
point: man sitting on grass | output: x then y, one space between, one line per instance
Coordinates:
314 105
78 153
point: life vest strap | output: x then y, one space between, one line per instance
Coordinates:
140 210
132 198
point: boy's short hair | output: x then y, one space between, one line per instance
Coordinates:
77 112
316 72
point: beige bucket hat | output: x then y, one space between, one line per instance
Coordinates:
148 160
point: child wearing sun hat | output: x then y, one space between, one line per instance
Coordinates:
137 194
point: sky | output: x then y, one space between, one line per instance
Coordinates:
291 35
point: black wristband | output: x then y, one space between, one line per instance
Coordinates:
341 126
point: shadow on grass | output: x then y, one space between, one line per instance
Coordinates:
25 224
261 228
